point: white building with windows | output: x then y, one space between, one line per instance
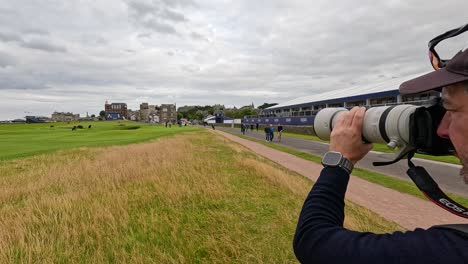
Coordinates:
301 111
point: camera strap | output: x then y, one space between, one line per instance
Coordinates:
431 189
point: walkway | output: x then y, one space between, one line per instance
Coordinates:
446 175
406 210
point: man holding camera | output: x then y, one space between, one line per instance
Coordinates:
320 236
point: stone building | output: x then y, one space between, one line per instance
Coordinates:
116 111
168 113
158 114
149 113
64 117
133 115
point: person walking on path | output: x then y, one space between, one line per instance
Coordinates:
320 236
242 127
256 126
280 129
267 134
271 132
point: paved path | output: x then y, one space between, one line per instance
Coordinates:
446 175
406 210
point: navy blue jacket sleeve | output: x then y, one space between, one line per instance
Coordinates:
321 238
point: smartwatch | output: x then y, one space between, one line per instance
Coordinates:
336 159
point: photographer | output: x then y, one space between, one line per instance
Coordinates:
320 236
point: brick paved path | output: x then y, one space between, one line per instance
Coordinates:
406 210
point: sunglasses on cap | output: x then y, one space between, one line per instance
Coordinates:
436 61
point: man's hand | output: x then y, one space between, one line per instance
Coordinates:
346 136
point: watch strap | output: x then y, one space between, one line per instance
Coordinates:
346 164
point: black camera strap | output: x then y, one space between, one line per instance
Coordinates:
431 189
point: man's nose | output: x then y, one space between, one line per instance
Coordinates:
443 129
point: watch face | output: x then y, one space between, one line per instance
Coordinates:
332 158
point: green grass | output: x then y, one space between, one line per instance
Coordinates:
375 177
382 148
23 140
191 198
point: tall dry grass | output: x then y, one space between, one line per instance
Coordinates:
185 199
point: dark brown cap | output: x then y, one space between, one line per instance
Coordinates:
456 71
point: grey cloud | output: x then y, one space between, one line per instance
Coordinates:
141 8
144 35
173 16
43 45
157 16
159 27
20 82
10 37
180 3
198 36
6 60
190 68
35 43
36 31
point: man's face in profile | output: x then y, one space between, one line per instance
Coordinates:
454 125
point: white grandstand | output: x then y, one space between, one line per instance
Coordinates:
358 90
301 111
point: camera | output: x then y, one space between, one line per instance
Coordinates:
405 126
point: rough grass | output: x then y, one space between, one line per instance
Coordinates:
183 199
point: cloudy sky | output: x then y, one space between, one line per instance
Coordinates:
60 55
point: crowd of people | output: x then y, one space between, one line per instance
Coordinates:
269 131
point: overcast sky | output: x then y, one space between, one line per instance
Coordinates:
60 55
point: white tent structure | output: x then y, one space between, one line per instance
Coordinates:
212 120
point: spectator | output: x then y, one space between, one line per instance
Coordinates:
280 129
272 132
267 133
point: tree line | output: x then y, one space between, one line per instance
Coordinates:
201 112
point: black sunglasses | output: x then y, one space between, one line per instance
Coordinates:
434 58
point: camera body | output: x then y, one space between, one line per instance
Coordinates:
405 126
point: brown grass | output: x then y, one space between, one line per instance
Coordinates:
185 199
